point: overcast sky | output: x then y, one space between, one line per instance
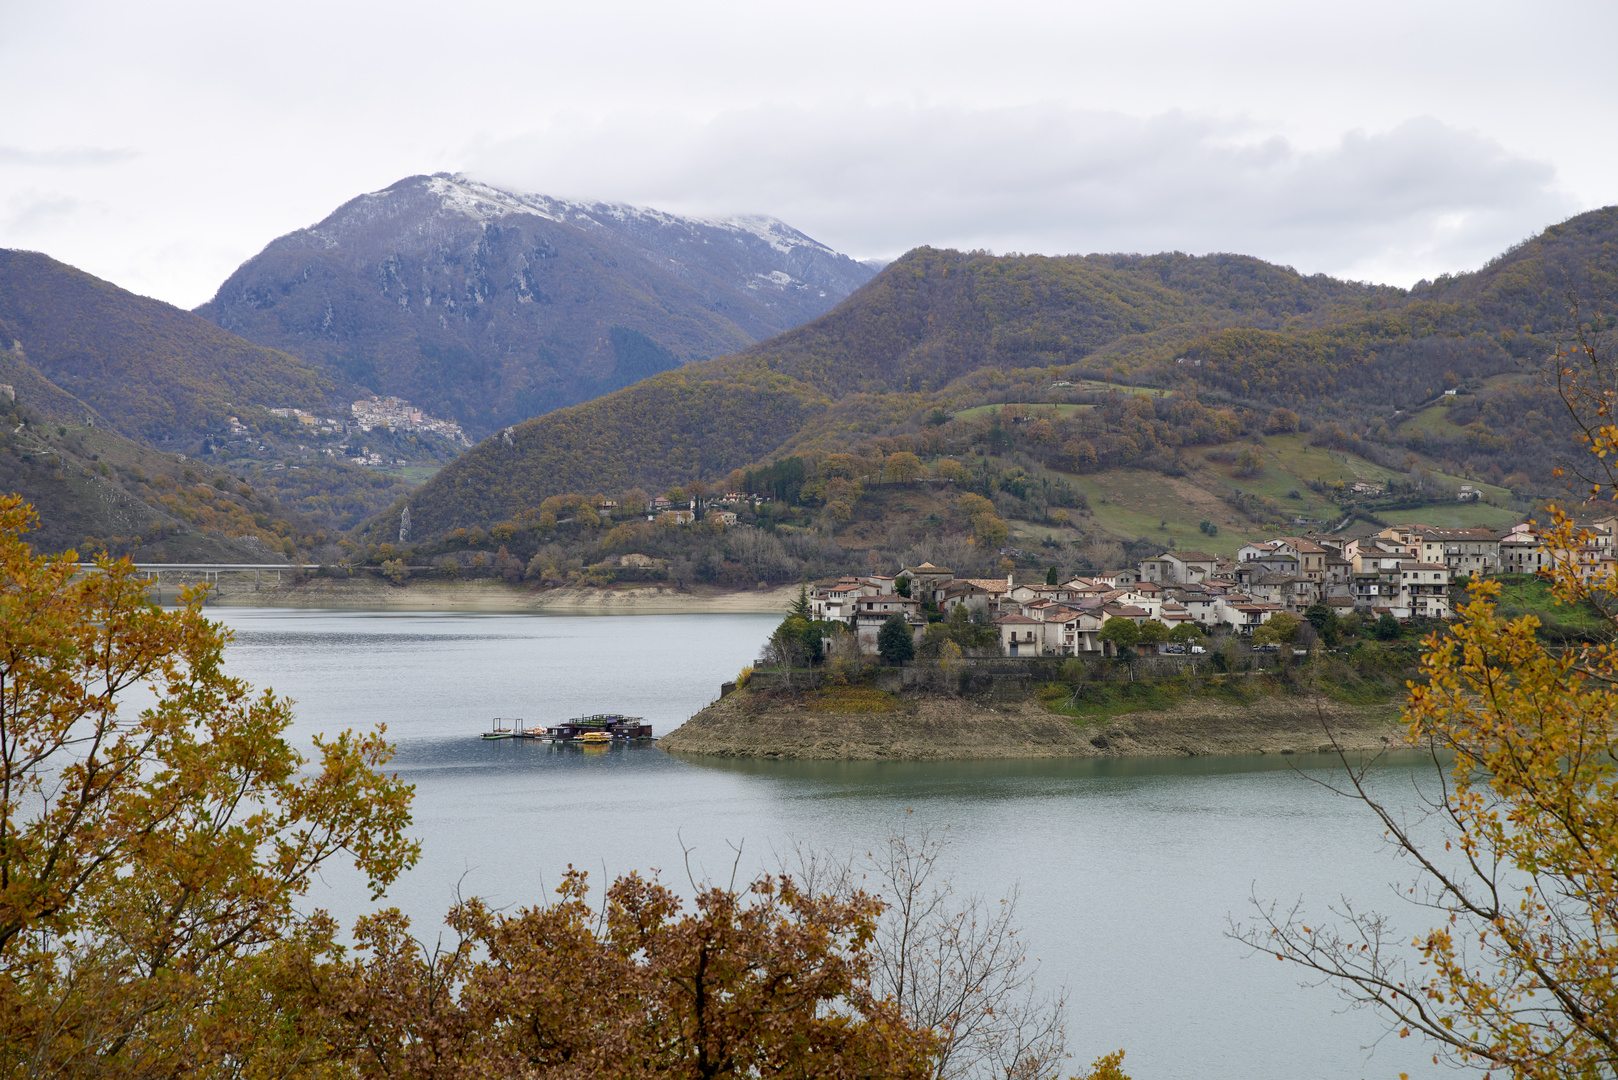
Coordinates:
160 144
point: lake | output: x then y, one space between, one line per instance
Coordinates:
1129 869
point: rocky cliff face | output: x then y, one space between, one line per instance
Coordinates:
492 306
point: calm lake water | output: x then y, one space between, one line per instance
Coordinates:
1129 870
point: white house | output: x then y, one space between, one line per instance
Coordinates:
1020 635
1423 590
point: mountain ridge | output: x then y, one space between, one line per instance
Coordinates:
944 329
491 306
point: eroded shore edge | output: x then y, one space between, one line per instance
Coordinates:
936 727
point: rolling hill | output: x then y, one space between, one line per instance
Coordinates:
115 398
491 306
98 490
148 369
1232 338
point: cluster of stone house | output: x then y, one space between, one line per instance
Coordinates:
1401 570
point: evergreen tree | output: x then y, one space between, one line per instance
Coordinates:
895 642
1325 622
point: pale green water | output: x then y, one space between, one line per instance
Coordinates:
1128 868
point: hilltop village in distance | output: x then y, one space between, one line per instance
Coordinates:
1402 572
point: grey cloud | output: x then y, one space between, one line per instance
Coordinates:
32 213
71 157
1394 205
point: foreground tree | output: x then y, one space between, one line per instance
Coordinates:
954 965
772 981
150 860
1518 853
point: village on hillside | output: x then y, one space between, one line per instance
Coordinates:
1401 571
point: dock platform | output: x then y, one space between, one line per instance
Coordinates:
619 727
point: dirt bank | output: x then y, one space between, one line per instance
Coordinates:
368 594
936 727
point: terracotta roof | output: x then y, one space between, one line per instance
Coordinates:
1016 620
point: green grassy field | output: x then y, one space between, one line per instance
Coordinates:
412 474
1456 516
1137 503
1087 386
1096 386
1523 594
1293 455
1433 420
982 410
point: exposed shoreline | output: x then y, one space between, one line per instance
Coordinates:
935 727
367 594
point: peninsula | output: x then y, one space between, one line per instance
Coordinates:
928 725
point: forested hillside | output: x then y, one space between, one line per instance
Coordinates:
146 368
142 456
939 332
490 306
96 490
